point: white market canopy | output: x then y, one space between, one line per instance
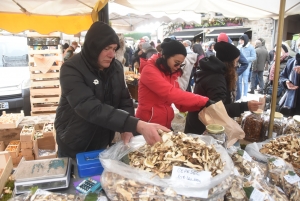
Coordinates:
251 9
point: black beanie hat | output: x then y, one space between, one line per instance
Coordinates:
99 36
226 51
171 47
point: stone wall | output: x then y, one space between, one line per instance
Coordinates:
262 28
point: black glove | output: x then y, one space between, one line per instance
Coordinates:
209 102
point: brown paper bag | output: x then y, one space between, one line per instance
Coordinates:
216 114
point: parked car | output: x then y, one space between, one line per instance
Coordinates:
14 75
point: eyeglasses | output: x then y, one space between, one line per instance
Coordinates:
180 65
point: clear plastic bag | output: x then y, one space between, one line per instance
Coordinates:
111 162
236 191
291 127
252 125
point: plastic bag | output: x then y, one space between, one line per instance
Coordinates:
110 160
236 192
291 127
252 125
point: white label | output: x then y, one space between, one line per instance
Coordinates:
236 172
292 179
257 195
102 198
278 162
247 157
182 174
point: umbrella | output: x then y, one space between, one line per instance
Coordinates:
254 9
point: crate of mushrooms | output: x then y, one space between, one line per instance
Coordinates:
48 129
191 166
8 121
27 133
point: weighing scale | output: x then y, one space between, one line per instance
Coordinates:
46 174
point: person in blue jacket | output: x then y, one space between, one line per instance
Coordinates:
249 52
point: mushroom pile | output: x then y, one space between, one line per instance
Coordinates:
286 147
177 150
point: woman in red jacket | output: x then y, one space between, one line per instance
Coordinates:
159 88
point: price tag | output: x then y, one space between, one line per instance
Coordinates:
247 157
292 178
257 195
278 162
182 174
236 172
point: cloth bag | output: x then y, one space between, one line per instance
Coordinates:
217 114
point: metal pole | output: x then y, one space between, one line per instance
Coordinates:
103 15
277 66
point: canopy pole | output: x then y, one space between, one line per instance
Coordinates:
277 66
103 15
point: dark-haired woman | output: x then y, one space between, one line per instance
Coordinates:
159 88
217 80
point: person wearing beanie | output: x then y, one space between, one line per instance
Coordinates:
249 52
216 79
243 63
159 88
284 57
95 101
149 50
210 50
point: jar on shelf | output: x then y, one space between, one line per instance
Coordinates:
252 126
217 132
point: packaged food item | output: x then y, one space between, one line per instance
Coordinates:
156 167
236 191
292 126
217 132
252 126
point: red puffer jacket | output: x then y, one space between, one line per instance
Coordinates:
158 91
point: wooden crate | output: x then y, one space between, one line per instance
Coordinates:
6 167
27 133
9 121
2 146
45 86
48 130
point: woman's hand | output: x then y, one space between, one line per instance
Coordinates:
253 105
290 85
149 131
126 137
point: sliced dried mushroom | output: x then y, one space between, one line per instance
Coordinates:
177 150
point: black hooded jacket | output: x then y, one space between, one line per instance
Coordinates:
211 82
94 103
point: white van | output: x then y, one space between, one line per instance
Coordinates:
14 75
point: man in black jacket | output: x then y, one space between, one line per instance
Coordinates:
95 101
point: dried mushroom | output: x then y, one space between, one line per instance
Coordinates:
286 147
122 189
236 191
177 150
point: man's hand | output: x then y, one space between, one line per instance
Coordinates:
297 69
126 137
290 85
149 131
253 105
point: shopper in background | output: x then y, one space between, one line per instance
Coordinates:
95 101
258 66
158 86
249 52
210 49
216 79
70 51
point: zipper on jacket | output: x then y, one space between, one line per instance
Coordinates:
152 113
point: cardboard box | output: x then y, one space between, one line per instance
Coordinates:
45 143
27 133
26 145
2 146
48 130
29 158
6 166
26 152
